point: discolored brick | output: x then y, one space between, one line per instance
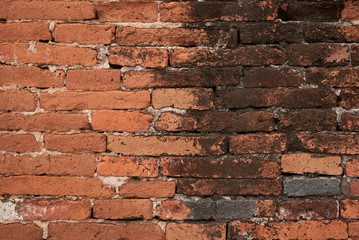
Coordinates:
311 187
148 189
214 231
257 143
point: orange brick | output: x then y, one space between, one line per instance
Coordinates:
354 230
17 100
266 208
256 143
18 231
214 231
352 189
25 31
81 165
148 189
350 11
352 168
97 80
349 209
19 143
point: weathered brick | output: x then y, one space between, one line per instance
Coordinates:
54 186
73 231
257 143
25 31
218 11
337 77
308 210
19 231
350 11
23 165
266 208
214 231
245 56
353 230
123 209
352 168
187 210
350 122
127 167
17 100
61 209
235 209
19 143
81 165
184 98
173 122
318 54
127 12
331 33
148 189
102 80
352 189
298 187
231 187
223 168
168 145
60 101
355 55
76 143
349 98
302 163
202 77
133 56
84 34
349 209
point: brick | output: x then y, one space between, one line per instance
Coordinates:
183 98
338 77
235 209
308 210
330 33
187 210
127 167
23 165
173 122
17 100
203 77
54 186
81 165
244 56
349 98
229 187
221 168
72 231
298 187
168 145
270 32
257 143
25 31
19 143
271 77
214 231
218 11
313 120
352 189
19 231
352 168
133 56
121 121
349 209
30 77
93 80
350 122
353 230
148 189
266 208
127 12
355 55
187 37
123 209
61 209
84 34
43 122
327 143
44 10
320 230
303 163
321 11
286 98
76 143
60 101
350 11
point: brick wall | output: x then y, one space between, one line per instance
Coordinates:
179 120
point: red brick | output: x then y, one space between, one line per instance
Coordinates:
96 80
245 56
349 98
18 231
203 77
84 34
76 143
174 210
355 55
352 168
349 209
302 163
43 122
214 231
81 165
257 143
19 143
218 11
318 54
188 37
308 210
183 98
266 208
229 187
352 189
338 77
25 31
73 231
353 230
60 101
331 33
17 100
319 230
62 209
127 12
350 122
171 145
127 167
123 209
148 189
44 53
173 122
350 11
121 121
54 186
133 56
224 168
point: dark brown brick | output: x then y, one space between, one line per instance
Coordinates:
355 55
349 98
315 32
350 122
213 231
337 77
258 143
